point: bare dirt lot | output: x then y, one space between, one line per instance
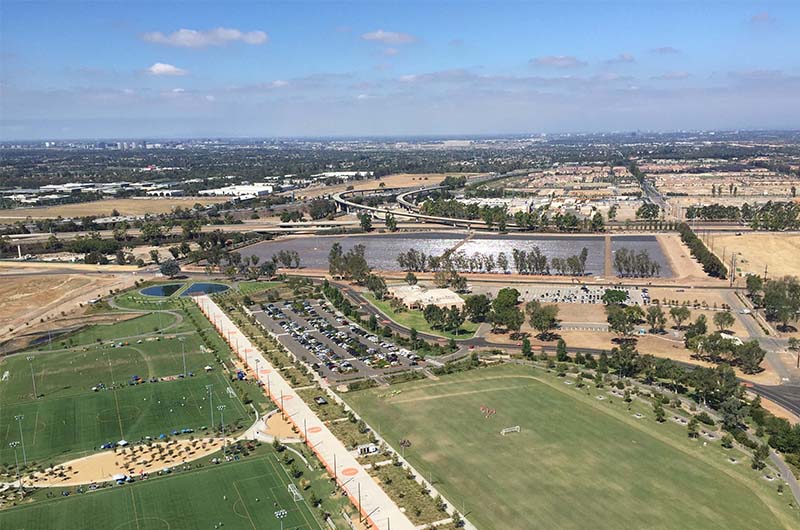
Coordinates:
135 206
681 261
780 253
27 298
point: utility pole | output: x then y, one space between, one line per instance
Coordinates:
183 354
211 403
33 379
19 418
13 445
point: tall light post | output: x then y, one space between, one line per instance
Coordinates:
183 354
33 379
13 445
19 418
211 403
280 514
221 409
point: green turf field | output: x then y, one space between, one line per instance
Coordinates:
577 463
69 418
241 495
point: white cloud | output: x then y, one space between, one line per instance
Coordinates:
761 18
558 61
665 50
389 37
672 76
165 69
190 38
622 58
279 83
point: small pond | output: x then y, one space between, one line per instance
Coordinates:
164 289
205 288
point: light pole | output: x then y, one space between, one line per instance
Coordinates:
280 514
13 445
33 379
183 354
19 418
221 409
211 403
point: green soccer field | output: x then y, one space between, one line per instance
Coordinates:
578 462
69 419
240 495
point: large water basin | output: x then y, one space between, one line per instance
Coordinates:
381 251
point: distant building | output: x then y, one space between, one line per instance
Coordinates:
240 191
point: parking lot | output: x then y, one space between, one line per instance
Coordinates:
334 347
583 294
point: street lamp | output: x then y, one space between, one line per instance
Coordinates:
280 514
33 379
13 445
183 354
19 418
221 409
211 403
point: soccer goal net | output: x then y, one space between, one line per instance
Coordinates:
507 430
295 493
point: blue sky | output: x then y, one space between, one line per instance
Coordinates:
148 69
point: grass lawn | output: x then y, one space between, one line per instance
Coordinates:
413 318
240 495
577 463
257 286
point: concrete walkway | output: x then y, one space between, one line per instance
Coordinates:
367 496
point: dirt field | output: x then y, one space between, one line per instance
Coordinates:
135 206
399 180
28 298
779 252
683 265
129 461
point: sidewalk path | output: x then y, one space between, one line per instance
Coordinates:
362 490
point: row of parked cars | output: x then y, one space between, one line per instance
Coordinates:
337 344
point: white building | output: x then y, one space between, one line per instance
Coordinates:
240 191
418 297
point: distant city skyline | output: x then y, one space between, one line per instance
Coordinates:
336 69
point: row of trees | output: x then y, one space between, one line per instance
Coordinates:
629 263
524 261
712 265
771 216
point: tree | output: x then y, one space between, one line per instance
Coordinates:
321 208
622 320
377 285
692 428
543 318
391 222
656 319
658 410
411 278
749 356
336 260
782 300
561 351
365 220
760 454
597 222
615 297
170 268
434 316
724 320
454 318
754 285
733 412
477 307
680 314
155 257
527 351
